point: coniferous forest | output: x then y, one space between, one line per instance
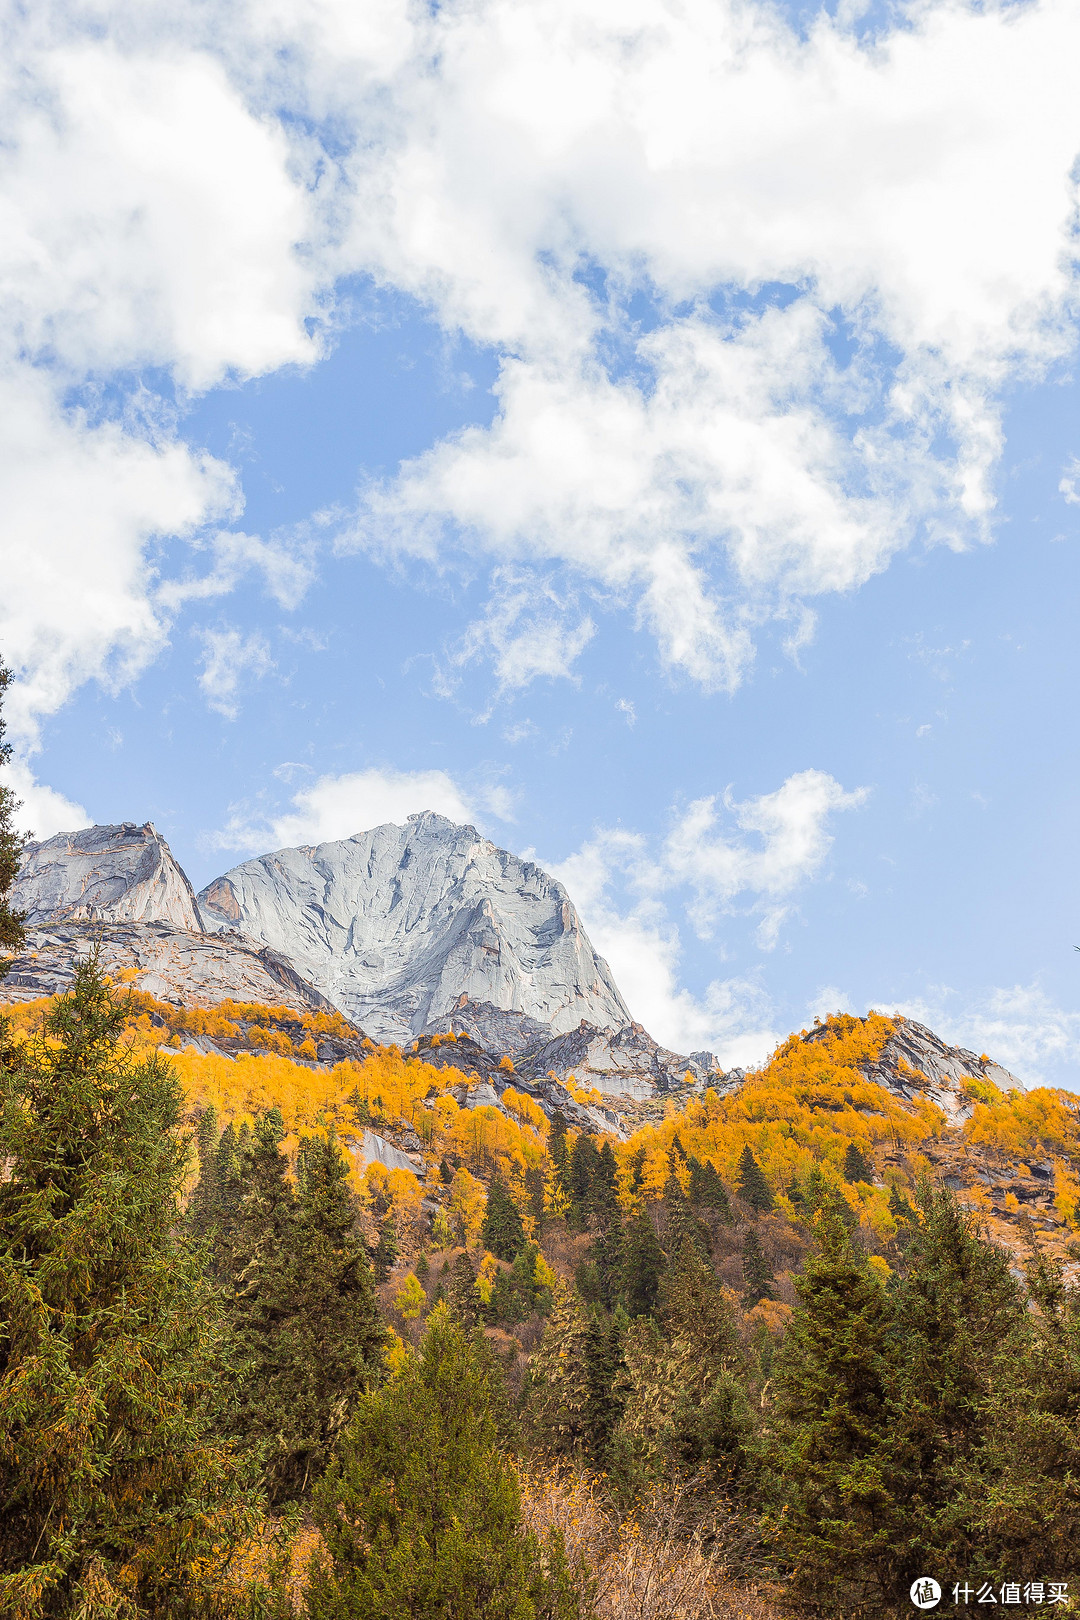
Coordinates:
584 1377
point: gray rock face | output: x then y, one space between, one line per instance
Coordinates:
397 924
105 874
624 1062
915 1062
174 964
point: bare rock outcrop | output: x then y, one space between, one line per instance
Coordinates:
121 873
396 924
173 964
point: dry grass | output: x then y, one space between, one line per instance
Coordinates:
655 1563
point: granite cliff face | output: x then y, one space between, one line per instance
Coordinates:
105 874
176 965
397 924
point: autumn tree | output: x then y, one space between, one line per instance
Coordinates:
117 1497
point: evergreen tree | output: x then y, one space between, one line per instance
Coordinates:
758 1276
117 1499
461 1294
422 1267
503 1231
685 1406
857 1167
643 1264
386 1250
12 934
583 1166
830 1448
683 1225
203 1208
420 1514
559 1385
707 1191
303 1304
752 1186
559 1153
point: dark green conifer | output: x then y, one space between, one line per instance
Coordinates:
461 1294
422 1267
643 1265
752 1186
758 1276
503 1231
203 1209
707 1191
12 934
420 1514
558 1151
830 1451
683 1225
117 1497
857 1167
386 1251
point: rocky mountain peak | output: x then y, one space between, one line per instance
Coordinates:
121 873
396 924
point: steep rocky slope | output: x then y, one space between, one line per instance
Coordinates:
174 964
915 1062
396 924
120 873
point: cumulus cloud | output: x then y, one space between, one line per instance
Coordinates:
755 297
336 807
626 892
42 810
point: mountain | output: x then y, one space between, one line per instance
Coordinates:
397 924
122 873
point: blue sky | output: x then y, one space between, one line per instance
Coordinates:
646 432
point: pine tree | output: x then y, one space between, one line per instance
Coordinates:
12 934
503 1231
830 1449
203 1208
643 1265
707 1191
386 1250
752 1187
683 1225
583 1166
304 1309
758 1276
420 1514
685 1408
559 1153
117 1498
857 1167
462 1297
559 1383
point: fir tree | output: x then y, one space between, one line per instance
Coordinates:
758 1276
386 1250
683 1225
461 1294
559 1384
643 1264
420 1514
707 1191
203 1208
559 1153
422 1267
857 1167
830 1449
503 1231
752 1187
117 1498
583 1166
12 934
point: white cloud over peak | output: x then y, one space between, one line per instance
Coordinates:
1019 1026
336 807
42 810
626 895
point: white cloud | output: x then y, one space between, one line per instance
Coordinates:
42 810
336 807
540 166
1019 1026
780 844
181 187
230 659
